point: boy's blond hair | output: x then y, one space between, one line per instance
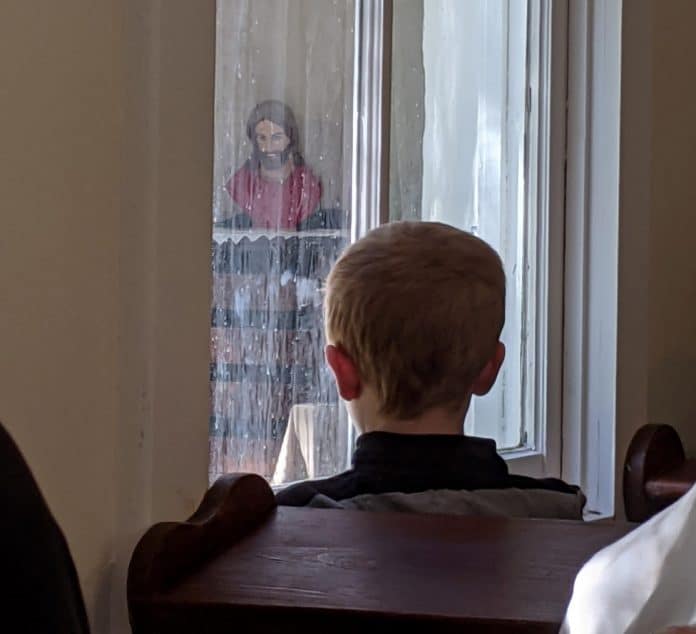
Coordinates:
418 307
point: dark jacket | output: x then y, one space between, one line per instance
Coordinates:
385 464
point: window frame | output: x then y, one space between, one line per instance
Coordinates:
607 238
548 105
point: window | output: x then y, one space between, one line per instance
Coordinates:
438 110
281 208
471 133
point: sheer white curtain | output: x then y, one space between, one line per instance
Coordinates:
280 220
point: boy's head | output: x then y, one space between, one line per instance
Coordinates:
413 315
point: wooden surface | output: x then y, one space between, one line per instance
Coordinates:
672 484
656 472
231 509
327 570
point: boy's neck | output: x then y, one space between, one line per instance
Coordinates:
434 425
437 420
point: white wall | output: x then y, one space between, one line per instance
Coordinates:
105 181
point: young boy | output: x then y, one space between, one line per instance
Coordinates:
413 315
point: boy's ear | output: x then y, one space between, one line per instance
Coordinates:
486 378
345 372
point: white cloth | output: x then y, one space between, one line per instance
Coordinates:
315 443
644 582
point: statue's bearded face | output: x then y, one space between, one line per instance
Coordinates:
271 145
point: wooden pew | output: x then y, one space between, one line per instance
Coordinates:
241 564
656 472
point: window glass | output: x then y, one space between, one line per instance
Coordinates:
458 143
281 200
291 78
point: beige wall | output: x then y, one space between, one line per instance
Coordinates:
105 180
657 271
61 96
672 354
